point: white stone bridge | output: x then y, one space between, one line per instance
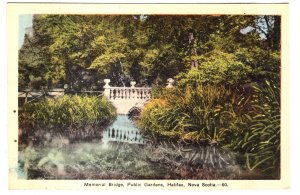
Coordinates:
124 98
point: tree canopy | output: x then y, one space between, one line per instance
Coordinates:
82 50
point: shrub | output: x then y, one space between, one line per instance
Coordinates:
216 68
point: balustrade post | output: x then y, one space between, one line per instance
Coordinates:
111 94
123 94
133 91
170 83
148 94
143 94
107 88
132 83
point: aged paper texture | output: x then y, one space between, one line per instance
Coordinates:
41 158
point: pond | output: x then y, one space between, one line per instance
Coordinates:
123 153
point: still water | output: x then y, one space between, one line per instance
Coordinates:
123 153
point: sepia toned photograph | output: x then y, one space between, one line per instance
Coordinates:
149 96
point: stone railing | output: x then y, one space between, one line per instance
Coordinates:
124 98
138 93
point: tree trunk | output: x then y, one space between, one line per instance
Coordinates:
277 32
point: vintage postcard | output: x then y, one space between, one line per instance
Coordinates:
148 96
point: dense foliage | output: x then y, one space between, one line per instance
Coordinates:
82 50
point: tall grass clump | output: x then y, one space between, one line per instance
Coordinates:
260 142
206 114
247 123
67 113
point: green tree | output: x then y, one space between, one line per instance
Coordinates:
78 49
233 58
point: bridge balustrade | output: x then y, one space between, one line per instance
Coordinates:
115 93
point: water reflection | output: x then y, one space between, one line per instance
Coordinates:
122 130
123 154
